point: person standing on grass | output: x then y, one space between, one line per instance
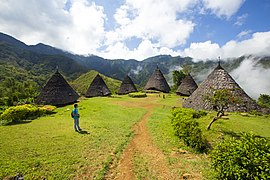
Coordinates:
76 116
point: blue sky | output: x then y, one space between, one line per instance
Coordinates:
137 29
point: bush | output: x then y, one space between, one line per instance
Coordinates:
137 95
19 113
264 100
187 128
244 158
255 113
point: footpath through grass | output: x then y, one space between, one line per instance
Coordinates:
49 148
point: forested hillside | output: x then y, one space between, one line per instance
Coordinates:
23 72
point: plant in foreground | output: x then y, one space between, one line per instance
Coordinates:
244 158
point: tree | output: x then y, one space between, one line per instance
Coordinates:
186 69
14 91
220 101
178 76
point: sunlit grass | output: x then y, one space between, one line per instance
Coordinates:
49 147
182 159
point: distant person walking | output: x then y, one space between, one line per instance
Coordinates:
76 116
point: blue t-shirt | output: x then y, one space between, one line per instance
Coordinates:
75 112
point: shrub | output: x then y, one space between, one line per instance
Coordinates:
137 95
199 114
187 128
255 113
264 100
19 113
244 158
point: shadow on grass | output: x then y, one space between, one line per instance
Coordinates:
232 134
115 96
17 123
83 132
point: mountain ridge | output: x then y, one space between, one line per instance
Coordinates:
139 71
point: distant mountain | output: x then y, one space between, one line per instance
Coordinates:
72 64
43 59
12 41
23 64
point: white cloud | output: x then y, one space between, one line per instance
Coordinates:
202 51
154 20
144 50
80 30
87 26
253 78
241 19
158 25
243 34
223 7
258 44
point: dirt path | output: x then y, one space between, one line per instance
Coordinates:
143 144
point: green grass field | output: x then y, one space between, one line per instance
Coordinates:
49 148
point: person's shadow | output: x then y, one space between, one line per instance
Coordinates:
83 132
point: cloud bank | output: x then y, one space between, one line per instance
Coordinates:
258 44
252 77
159 26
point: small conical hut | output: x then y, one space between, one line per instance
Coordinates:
217 80
187 86
157 82
127 86
57 92
98 88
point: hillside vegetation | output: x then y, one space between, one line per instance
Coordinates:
82 83
74 65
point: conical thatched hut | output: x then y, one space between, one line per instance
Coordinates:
127 86
98 88
157 82
217 80
187 86
57 92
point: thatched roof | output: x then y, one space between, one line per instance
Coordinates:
157 82
187 86
98 88
127 86
57 92
217 80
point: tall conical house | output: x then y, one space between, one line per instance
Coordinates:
57 92
220 79
157 82
127 86
98 88
187 86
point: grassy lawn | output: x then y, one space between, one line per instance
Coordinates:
182 159
48 146
235 125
